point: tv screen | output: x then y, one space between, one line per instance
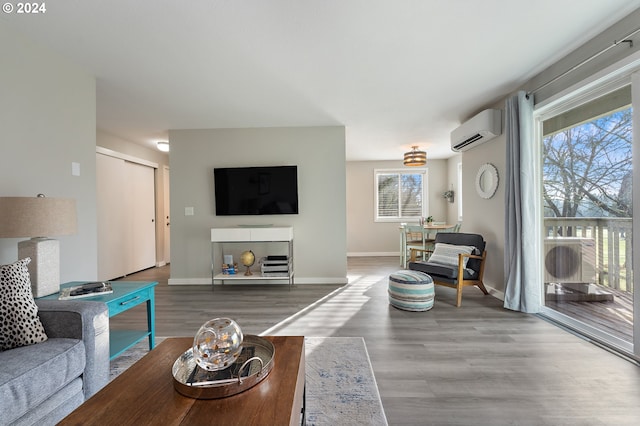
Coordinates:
256 190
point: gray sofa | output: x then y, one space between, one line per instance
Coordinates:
42 383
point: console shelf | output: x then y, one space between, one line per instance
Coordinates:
250 234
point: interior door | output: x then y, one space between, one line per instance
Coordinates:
126 216
141 226
109 184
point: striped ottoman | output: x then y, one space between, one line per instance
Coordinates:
411 290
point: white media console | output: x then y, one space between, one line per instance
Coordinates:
241 234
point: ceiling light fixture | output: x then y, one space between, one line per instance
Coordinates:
163 146
415 158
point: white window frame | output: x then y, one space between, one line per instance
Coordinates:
425 194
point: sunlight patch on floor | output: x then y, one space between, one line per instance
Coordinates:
332 311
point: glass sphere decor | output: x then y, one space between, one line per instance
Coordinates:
248 259
217 344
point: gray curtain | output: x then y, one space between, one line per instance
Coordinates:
523 287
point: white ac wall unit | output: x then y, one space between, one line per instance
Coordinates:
481 128
569 260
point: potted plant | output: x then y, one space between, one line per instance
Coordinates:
448 195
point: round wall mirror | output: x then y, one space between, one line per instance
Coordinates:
487 180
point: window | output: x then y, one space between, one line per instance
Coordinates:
400 194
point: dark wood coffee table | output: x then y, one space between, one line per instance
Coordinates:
144 394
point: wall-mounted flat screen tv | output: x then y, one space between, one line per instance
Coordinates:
256 190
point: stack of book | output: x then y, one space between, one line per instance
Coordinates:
97 288
275 266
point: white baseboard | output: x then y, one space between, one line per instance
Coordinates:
189 281
322 280
374 254
305 280
495 293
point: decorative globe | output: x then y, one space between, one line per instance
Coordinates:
217 344
248 259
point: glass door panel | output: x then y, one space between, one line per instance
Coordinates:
587 190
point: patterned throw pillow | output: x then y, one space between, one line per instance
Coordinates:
447 254
19 322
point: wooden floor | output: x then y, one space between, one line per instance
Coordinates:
614 317
475 365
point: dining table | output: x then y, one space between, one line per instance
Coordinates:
429 228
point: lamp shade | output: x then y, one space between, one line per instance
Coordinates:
37 217
415 157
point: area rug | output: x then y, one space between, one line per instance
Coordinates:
129 357
340 386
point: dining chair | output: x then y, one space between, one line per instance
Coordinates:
416 237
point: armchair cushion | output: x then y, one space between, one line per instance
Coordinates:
442 271
86 321
460 238
19 322
447 254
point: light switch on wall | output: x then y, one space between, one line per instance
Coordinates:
188 211
75 169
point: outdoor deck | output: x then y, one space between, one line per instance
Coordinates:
604 263
615 318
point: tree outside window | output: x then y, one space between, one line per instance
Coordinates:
588 170
400 195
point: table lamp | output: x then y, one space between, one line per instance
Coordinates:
39 218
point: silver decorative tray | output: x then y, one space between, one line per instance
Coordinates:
252 366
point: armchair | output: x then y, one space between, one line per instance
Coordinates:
457 262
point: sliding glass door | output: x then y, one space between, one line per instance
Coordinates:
587 190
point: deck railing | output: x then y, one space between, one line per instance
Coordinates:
613 245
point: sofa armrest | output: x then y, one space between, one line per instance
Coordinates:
87 321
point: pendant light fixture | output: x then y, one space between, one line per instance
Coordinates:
415 158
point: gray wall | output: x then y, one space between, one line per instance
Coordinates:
452 173
482 216
319 228
365 237
48 121
604 40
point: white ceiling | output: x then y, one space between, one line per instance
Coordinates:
395 73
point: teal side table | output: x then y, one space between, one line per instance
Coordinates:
126 295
